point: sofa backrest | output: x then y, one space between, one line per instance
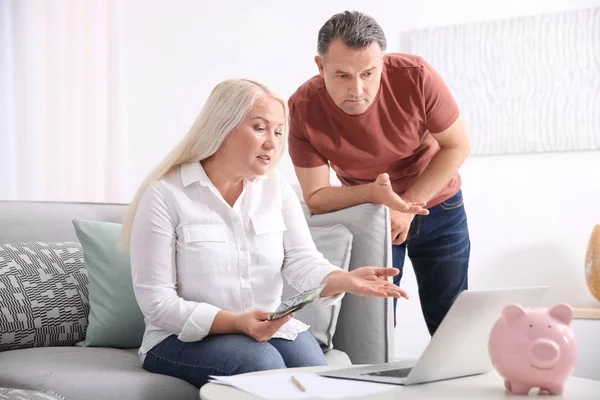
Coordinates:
365 325
365 328
39 221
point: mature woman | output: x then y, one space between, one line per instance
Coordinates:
212 232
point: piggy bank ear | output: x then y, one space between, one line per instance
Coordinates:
562 312
512 312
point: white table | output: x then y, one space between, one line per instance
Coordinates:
486 386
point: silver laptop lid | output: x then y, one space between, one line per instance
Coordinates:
459 346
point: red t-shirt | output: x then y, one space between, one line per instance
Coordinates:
392 136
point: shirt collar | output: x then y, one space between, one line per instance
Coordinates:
194 172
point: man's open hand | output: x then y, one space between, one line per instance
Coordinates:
384 194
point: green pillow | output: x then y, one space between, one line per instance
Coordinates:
115 319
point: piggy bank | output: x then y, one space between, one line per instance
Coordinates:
534 348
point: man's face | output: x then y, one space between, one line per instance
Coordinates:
352 77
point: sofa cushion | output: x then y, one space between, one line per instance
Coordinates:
337 358
115 319
90 373
19 394
44 295
335 243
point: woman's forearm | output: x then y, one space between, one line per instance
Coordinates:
224 322
334 284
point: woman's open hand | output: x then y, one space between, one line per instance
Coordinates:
363 281
370 281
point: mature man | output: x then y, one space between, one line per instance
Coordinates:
390 129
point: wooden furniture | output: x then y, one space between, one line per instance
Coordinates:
587 312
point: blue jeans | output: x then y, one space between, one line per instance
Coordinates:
230 355
439 247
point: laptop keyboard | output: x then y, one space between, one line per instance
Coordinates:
392 373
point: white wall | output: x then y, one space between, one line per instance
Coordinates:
174 52
529 217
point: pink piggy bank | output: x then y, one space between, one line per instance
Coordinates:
534 348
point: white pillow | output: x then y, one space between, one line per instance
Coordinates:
335 243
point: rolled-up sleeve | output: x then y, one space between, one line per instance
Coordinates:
304 267
441 109
302 152
154 271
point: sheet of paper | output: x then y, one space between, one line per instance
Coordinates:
281 386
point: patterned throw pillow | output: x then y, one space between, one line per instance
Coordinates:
43 295
19 394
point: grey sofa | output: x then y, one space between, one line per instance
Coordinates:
364 332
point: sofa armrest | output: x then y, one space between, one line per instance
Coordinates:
365 327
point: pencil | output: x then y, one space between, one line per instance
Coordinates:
298 384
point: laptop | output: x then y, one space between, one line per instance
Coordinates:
459 346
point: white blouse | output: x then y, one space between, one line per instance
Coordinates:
192 254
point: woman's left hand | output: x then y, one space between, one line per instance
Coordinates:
364 281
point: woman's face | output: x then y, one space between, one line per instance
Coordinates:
253 148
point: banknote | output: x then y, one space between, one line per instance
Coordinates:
296 302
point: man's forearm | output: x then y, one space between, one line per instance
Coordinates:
442 167
333 198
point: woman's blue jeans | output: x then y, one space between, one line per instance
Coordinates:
230 355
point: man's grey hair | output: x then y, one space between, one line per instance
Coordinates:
356 30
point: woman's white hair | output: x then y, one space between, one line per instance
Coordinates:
227 106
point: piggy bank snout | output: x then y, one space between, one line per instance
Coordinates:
544 353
